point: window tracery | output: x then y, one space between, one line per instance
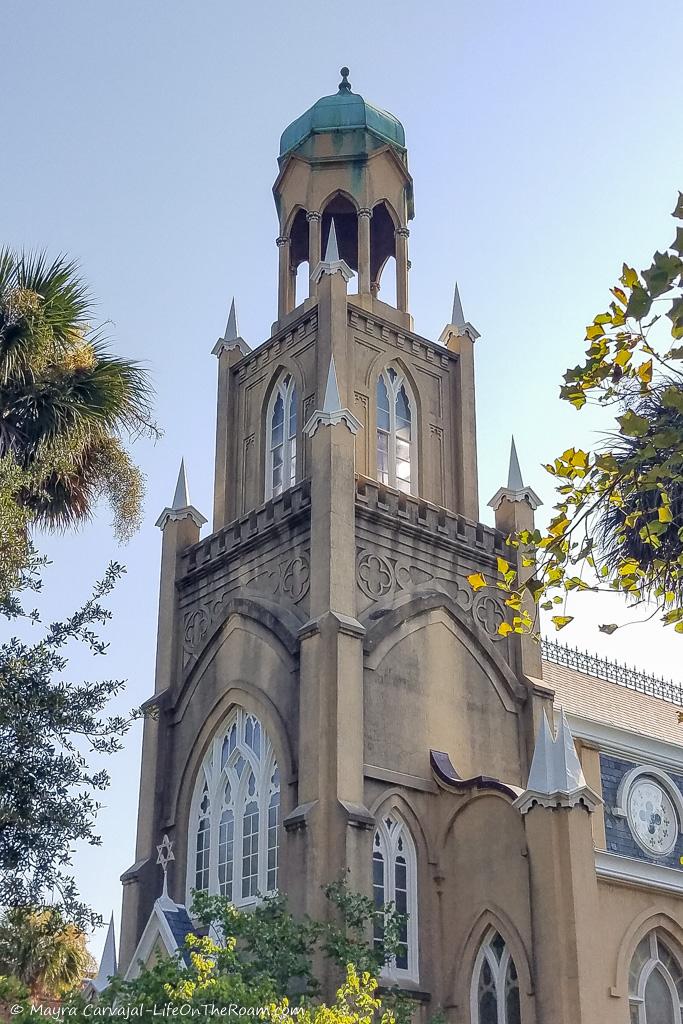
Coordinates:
235 818
396 432
655 983
495 985
394 880
281 439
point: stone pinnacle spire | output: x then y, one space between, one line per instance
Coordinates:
332 411
107 968
232 330
332 250
332 263
514 472
181 498
181 508
232 338
458 327
457 317
516 490
332 403
556 777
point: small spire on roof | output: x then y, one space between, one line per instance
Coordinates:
556 777
181 498
516 490
457 317
232 330
332 249
332 263
515 482
332 401
181 508
344 85
332 411
231 339
107 968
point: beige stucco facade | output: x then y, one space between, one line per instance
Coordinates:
338 613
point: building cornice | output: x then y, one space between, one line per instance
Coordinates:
610 739
627 871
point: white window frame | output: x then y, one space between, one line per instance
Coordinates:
263 765
393 388
637 998
287 390
498 971
389 835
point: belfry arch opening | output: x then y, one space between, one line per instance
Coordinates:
382 250
299 257
346 228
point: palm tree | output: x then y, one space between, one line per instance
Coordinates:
66 402
46 954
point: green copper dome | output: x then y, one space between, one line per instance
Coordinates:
343 112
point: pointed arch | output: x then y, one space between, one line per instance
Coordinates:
491 920
396 429
282 432
395 881
233 820
655 981
653 919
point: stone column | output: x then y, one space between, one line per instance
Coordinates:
314 248
402 269
284 274
557 806
329 833
364 251
224 501
180 525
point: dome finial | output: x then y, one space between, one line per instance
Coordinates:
344 85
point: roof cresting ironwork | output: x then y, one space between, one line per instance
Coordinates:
612 671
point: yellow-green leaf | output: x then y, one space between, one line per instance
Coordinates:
560 621
503 566
629 277
664 514
504 628
633 425
476 581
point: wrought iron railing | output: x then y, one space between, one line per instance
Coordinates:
613 671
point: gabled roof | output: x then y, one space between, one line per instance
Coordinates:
168 924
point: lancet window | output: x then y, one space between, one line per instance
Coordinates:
495 986
281 428
233 840
394 880
655 983
396 432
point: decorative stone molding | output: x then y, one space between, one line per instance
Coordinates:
402 232
281 240
379 575
289 580
365 213
313 215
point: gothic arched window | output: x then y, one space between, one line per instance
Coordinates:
396 432
233 836
281 424
494 995
394 880
655 984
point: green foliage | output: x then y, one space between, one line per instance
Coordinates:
47 728
266 956
618 526
65 401
43 954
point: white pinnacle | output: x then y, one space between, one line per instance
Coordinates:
232 330
555 766
457 317
332 250
515 482
332 401
181 498
107 967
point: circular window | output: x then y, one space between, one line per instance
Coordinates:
652 817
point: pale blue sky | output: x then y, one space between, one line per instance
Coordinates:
141 138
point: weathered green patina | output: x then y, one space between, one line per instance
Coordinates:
345 111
